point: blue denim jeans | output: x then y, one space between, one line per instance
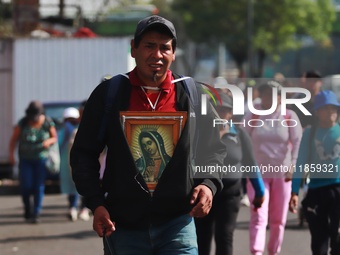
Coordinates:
32 182
175 237
73 200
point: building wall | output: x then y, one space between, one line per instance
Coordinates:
6 99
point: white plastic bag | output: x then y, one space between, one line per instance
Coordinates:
53 159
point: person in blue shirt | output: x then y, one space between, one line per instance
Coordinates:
319 157
221 221
67 186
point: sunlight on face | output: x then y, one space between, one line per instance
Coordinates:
154 56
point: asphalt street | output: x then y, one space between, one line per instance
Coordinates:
56 234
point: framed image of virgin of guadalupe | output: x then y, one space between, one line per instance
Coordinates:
152 137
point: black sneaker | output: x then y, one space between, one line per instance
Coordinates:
27 216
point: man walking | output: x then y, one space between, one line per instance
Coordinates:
132 218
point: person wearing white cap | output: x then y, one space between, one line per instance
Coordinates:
319 156
71 119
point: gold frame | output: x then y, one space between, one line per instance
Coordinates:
164 128
142 119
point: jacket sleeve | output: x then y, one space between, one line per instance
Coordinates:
85 151
248 160
210 151
304 150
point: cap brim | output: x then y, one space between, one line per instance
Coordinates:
318 107
153 26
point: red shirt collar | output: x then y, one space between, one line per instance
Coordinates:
165 85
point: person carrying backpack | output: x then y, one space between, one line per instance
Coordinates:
131 218
321 205
220 224
34 133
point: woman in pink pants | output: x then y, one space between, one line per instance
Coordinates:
275 148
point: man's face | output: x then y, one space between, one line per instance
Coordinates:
224 112
313 85
267 98
153 57
327 114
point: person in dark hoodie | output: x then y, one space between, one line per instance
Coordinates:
220 223
132 219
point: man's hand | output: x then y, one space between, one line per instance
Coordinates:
257 202
102 223
293 203
202 198
289 174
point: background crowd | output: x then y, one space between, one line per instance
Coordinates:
114 196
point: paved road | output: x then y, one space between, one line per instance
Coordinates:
56 235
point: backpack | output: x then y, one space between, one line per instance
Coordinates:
119 80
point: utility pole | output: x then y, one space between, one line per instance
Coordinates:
61 9
25 16
250 22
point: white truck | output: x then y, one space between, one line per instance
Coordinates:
56 70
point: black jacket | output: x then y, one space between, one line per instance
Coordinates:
240 153
123 190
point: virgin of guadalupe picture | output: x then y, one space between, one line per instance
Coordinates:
152 138
153 157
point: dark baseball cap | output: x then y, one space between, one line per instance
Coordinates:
226 100
313 74
154 21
